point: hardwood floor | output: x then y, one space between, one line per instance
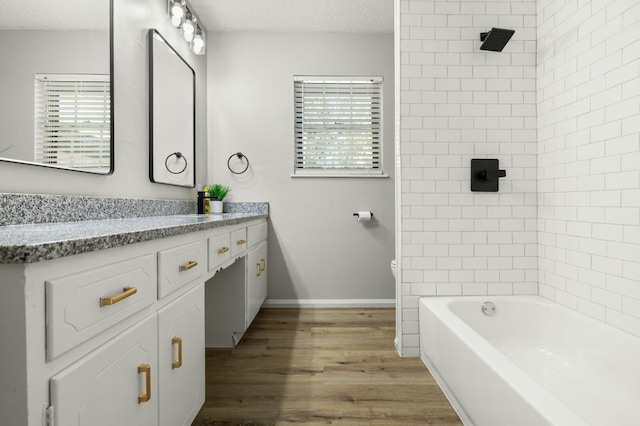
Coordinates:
320 366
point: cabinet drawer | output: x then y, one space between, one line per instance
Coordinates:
256 233
180 266
81 305
219 250
238 241
116 384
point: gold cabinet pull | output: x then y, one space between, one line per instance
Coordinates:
112 300
146 395
177 341
190 264
223 250
257 269
240 242
263 264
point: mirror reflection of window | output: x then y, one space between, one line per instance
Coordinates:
37 37
73 121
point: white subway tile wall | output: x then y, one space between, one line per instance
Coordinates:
588 84
457 103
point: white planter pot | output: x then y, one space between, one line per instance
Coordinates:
216 207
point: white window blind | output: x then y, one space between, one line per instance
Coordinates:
338 126
73 121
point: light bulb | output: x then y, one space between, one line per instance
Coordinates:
188 36
176 12
189 25
176 21
197 44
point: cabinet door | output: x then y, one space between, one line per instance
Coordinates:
256 280
262 282
181 358
114 385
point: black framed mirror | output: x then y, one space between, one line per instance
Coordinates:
172 123
56 80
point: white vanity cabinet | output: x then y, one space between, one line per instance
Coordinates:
114 336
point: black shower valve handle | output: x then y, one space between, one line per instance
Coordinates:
492 174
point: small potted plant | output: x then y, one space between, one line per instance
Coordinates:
217 193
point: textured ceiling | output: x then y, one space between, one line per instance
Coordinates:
353 16
50 14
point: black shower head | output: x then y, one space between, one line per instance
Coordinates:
496 39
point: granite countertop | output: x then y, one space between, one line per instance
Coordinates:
46 241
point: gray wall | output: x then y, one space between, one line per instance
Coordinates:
130 179
317 249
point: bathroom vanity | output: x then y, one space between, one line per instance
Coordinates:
102 322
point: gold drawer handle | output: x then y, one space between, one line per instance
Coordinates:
126 292
190 264
177 341
257 269
145 396
241 242
223 250
264 264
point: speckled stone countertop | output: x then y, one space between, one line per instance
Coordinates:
45 241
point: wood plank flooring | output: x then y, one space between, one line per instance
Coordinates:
320 366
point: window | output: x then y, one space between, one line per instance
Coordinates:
73 121
338 126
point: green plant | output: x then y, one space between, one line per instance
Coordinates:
218 192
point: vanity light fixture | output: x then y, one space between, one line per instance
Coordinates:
185 20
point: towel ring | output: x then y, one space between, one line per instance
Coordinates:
178 156
240 157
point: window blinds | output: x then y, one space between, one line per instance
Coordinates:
73 121
338 125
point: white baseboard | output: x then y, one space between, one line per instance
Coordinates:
329 303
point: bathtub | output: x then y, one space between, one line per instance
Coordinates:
532 362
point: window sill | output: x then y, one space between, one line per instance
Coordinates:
327 175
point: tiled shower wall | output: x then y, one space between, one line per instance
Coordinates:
589 157
459 103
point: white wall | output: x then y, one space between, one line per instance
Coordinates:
457 103
317 250
131 176
589 157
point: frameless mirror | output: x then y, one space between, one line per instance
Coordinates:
56 106
172 140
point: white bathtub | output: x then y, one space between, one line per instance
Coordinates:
533 362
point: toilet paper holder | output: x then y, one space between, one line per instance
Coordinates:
357 214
